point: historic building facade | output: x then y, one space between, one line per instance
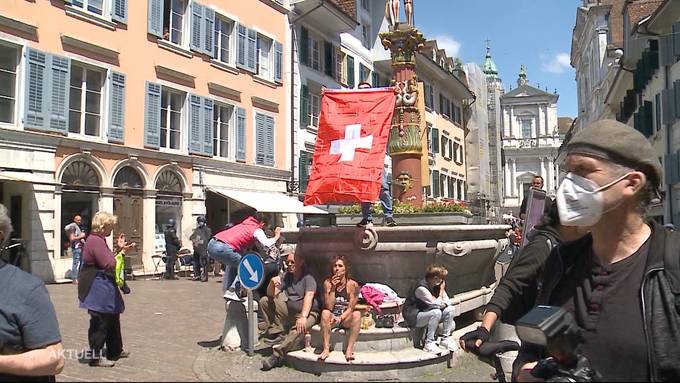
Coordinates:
530 137
145 109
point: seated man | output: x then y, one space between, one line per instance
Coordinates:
427 305
290 300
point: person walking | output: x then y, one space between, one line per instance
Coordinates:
99 294
172 246
200 238
30 341
76 238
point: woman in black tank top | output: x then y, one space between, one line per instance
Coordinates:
340 297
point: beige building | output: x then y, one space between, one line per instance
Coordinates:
150 109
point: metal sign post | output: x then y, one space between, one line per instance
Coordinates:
251 274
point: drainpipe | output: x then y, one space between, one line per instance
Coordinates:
292 23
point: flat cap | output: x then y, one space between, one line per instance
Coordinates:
618 143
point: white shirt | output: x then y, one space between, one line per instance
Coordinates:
426 296
263 239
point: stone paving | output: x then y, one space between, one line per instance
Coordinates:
172 329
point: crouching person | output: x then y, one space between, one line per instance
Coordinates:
427 305
290 300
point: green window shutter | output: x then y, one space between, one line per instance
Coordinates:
260 144
240 134
119 10
435 183
35 102
251 63
208 126
152 116
304 106
435 140
676 104
197 31
208 30
657 111
195 124
375 79
648 119
154 20
452 150
241 46
676 38
304 46
350 72
329 54
269 141
60 78
116 132
278 62
303 166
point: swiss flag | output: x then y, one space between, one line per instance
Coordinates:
350 146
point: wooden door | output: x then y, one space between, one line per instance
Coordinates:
128 208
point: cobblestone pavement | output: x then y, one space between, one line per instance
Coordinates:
172 328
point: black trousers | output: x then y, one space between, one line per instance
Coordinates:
201 265
170 265
105 329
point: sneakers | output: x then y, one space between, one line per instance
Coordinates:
449 343
230 295
272 362
389 221
432 347
365 223
102 362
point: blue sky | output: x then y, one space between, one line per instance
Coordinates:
536 33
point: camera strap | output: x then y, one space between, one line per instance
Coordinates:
672 266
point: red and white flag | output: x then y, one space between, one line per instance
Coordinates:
350 146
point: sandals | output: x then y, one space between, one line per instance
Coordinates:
349 358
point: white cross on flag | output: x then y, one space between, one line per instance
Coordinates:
350 146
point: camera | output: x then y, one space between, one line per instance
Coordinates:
556 330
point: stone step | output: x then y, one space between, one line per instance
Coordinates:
385 365
370 340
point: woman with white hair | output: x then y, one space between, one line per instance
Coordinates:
30 342
99 293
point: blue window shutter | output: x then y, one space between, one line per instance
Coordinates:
35 103
304 106
207 126
116 131
252 51
278 62
152 116
241 46
209 30
260 144
240 134
195 124
119 10
676 104
676 38
269 141
60 76
304 46
154 18
197 31
668 110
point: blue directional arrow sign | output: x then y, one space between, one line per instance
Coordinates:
251 271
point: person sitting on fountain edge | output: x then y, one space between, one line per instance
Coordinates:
385 194
289 299
427 305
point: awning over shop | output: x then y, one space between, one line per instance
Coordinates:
27 177
267 202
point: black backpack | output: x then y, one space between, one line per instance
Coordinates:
672 266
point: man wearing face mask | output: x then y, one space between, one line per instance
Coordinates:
617 282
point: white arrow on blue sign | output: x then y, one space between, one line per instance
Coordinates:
251 271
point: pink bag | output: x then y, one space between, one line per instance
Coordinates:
373 297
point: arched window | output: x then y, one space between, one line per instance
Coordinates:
80 174
128 178
169 183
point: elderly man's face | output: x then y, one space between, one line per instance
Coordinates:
600 172
537 183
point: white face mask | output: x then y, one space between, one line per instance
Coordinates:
579 200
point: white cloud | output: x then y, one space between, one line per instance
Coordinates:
557 64
449 44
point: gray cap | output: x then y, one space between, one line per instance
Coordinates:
618 143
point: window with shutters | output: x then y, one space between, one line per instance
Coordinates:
341 67
174 21
222 122
264 139
93 6
9 59
85 100
315 54
172 104
364 73
429 96
224 31
264 58
102 12
314 109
